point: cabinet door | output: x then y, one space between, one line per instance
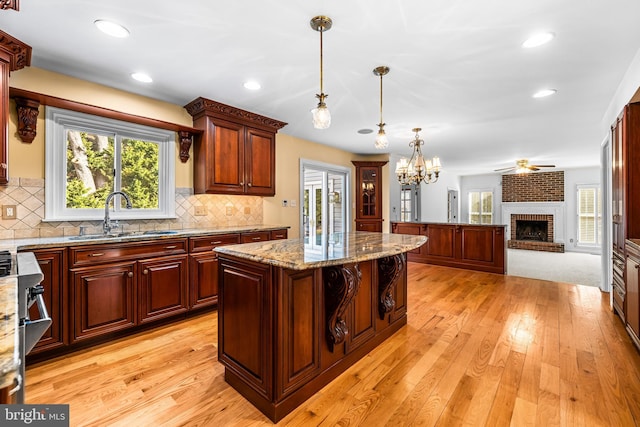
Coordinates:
633 296
375 226
203 280
279 234
441 241
103 300
51 263
260 160
369 190
5 59
225 165
162 287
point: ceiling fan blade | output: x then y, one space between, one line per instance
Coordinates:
504 169
533 168
544 166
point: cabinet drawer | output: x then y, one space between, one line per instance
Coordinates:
258 236
278 234
207 243
99 254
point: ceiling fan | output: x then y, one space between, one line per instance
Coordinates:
523 166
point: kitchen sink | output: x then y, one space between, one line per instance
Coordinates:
123 234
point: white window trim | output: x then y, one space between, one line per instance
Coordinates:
598 214
57 121
493 203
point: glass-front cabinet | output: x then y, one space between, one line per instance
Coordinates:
368 195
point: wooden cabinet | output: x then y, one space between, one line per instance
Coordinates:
625 205
256 236
236 152
203 268
368 195
14 55
53 265
110 290
633 293
162 287
475 247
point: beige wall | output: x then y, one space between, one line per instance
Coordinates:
27 160
289 151
27 166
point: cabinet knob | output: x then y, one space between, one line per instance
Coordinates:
249 184
241 182
145 271
130 274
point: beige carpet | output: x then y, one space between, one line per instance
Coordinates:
568 267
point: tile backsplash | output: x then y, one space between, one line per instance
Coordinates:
28 196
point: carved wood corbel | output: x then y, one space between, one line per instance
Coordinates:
341 285
27 118
186 138
10 4
389 270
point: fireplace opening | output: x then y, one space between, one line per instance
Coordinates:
531 230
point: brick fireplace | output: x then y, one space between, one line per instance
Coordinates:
533 232
533 208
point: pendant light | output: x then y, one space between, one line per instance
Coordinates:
321 114
381 139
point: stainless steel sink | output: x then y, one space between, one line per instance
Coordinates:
123 234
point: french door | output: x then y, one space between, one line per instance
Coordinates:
325 200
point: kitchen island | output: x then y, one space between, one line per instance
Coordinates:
292 316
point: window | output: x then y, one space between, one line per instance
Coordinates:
480 207
88 157
589 215
410 203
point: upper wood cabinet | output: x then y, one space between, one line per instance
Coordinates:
236 152
368 195
14 55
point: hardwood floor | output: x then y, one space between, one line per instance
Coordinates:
479 349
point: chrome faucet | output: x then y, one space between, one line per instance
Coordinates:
107 226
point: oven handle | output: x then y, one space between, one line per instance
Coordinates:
34 329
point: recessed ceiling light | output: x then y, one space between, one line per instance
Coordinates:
111 28
544 92
252 85
538 39
141 77
365 131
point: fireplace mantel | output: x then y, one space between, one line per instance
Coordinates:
557 209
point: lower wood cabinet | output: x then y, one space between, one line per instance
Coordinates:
633 293
103 300
162 287
93 291
53 265
470 246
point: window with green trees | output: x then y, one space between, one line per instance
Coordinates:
88 157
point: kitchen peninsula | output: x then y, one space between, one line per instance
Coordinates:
292 316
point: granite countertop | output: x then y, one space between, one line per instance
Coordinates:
448 223
95 239
335 249
8 331
635 243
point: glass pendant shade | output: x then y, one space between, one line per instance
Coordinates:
381 140
321 117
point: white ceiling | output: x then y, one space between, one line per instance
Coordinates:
457 67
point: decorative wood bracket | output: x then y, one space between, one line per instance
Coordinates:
27 118
186 138
389 270
341 285
10 4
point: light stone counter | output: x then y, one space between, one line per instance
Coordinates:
336 249
9 357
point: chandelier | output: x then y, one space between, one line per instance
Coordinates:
416 170
381 140
321 114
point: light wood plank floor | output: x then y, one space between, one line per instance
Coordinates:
479 349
